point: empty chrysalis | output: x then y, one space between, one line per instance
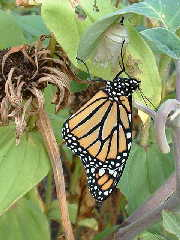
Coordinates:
109 47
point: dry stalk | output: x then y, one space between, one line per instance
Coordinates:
46 131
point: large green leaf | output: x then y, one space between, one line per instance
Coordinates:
166 11
104 7
148 71
158 9
145 171
164 40
11 33
171 222
92 36
25 220
32 27
21 166
60 18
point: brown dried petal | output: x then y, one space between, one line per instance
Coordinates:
62 77
4 110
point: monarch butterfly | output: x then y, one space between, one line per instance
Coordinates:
100 134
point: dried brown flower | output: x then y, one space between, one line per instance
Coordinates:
25 72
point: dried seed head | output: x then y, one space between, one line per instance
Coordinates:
25 72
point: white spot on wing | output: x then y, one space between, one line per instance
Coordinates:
128 135
101 172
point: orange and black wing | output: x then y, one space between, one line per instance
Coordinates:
100 133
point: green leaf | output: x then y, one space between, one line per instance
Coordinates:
32 27
54 213
171 222
78 87
149 236
57 119
92 36
145 172
158 9
60 18
107 231
21 166
164 40
25 220
104 7
148 71
11 33
89 222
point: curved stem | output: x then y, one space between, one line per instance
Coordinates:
45 129
178 80
145 109
177 131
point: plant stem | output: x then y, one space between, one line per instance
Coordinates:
178 80
176 141
145 109
177 132
45 129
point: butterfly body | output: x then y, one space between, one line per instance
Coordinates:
100 134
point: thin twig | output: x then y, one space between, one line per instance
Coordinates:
145 109
178 80
176 141
160 123
50 142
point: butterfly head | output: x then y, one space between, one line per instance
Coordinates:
133 84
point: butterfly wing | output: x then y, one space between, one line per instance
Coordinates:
100 133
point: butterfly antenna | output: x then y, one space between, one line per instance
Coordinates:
79 59
122 67
145 99
122 21
98 80
122 57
